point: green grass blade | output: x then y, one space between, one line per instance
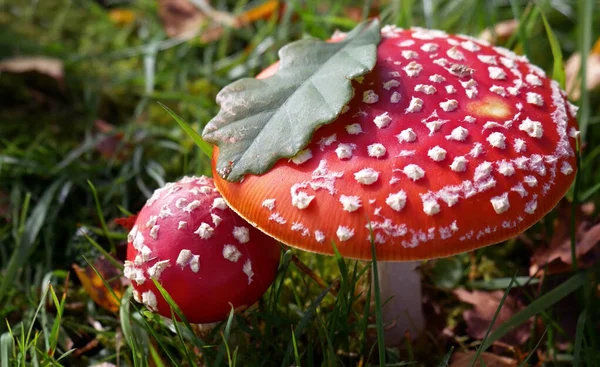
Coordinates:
558 71
445 362
6 348
581 321
493 321
585 19
32 229
101 215
204 146
540 304
378 314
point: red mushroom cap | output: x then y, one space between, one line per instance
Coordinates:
448 145
205 256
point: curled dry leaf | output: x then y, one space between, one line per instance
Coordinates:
94 286
180 17
485 305
502 31
40 64
572 68
558 254
464 359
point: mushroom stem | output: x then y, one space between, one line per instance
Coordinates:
400 291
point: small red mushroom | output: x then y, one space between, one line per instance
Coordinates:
449 144
205 256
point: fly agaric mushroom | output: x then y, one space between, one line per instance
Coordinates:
205 256
448 145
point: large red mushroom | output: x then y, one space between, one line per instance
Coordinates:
448 145
204 255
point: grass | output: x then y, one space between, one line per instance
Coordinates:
79 152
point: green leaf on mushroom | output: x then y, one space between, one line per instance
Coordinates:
261 121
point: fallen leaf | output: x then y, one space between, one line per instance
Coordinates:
485 304
180 17
464 359
502 31
40 64
127 222
94 286
558 254
572 68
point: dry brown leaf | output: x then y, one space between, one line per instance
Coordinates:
180 17
503 31
94 286
572 68
40 64
485 305
463 359
558 254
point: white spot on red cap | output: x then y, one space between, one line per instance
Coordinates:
396 201
413 69
437 153
407 135
165 211
482 171
470 46
413 171
430 205
429 47
180 203
370 97
219 203
354 129
350 203
277 218
532 128
519 189
566 168
409 54
449 105
574 133
344 151
247 269
242 234
500 203
205 231
476 150
327 141
496 73
302 156
437 78
506 168
450 89
300 199
395 98
469 119
182 224
415 105
186 257
531 206
392 83
455 54
406 43
344 233
535 99
458 134
269 204
459 164
216 219
508 62
231 253
520 145
533 80
497 140
531 181
156 270
319 236
376 150
427 89
154 231
382 120
131 235
498 90
366 176
149 299
487 59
